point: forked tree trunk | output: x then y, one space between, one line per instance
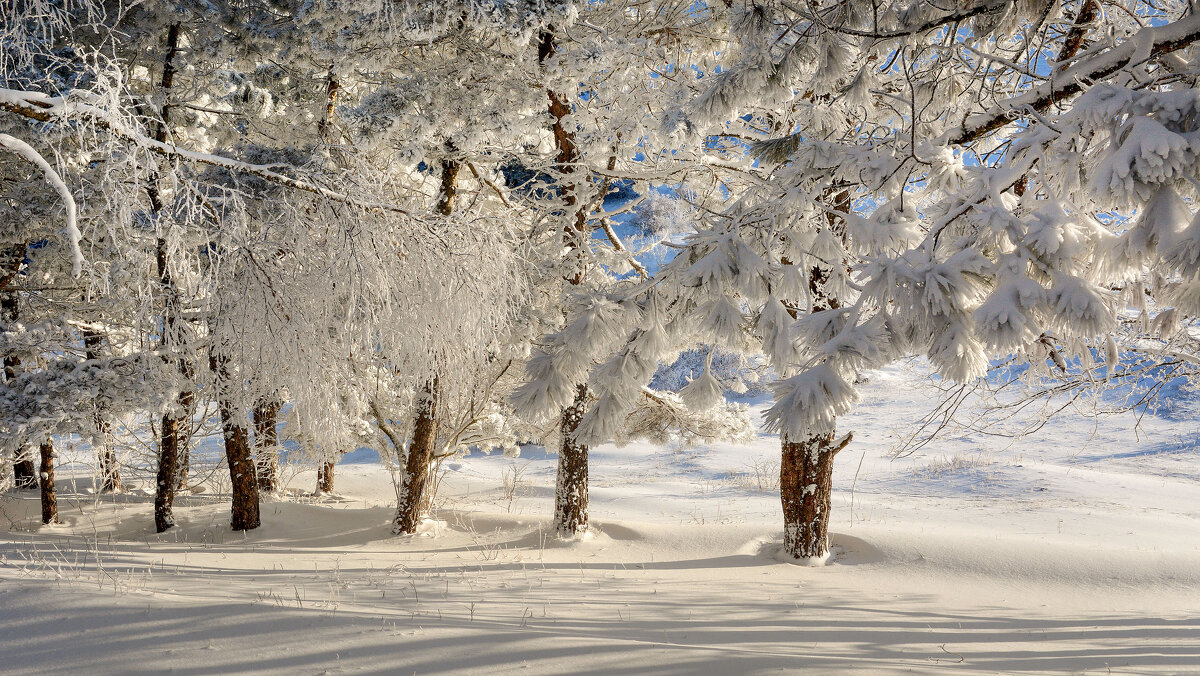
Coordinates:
325 476
110 474
571 480
245 511
420 456
266 443
49 497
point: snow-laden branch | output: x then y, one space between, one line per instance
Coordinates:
1142 46
43 108
32 156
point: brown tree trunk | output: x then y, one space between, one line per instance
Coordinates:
184 462
110 474
237 449
571 481
173 428
241 472
420 455
49 497
325 476
806 490
266 443
24 472
414 495
806 465
164 482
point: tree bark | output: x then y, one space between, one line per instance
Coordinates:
420 455
414 498
806 490
325 476
266 443
571 481
174 430
25 474
245 510
49 497
806 465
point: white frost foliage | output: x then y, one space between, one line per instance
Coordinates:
859 346
810 402
1079 309
702 393
654 340
1182 253
1163 217
1149 156
948 172
1055 235
954 284
1185 295
547 389
598 322
1100 104
775 328
721 319
72 228
1007 319
716 268
890 228
554 372
1112 356
623 376
603 421
753 274
956 352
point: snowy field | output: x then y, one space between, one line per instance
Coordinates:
1076 550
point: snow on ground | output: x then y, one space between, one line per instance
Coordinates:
1074 551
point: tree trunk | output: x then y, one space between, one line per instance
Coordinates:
266 443
49 498
164 483
237 448
24 472
325 477
414 497
168 477
571 482
184 462
806 490
420 455
110 474
806 466
241 472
